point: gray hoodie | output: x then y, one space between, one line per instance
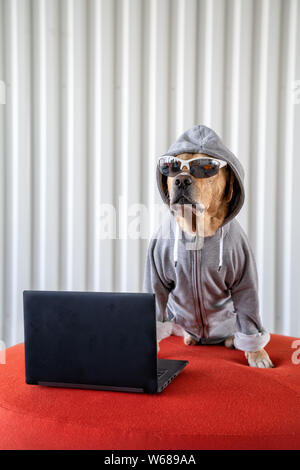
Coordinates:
212 292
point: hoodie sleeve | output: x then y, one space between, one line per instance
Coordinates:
155 280
251 335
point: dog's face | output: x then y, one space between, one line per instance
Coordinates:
212 194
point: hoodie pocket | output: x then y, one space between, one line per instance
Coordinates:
221 324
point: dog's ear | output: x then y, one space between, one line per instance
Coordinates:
229 185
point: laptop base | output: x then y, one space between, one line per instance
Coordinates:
170 368
173 367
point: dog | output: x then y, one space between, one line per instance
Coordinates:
206 191
215 194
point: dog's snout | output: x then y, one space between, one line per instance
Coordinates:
183 181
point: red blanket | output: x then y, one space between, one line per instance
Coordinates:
217 402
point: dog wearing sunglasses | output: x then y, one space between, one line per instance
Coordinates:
207 295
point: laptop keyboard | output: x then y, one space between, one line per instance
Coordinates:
161 372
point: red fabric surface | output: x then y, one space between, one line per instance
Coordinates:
217 402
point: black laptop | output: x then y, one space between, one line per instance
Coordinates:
94 340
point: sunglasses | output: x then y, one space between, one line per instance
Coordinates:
199 167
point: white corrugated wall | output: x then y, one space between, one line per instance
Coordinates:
96 89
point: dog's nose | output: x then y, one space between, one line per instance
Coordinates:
182 181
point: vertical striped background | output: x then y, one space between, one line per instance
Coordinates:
96 89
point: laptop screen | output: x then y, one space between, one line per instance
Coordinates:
91 338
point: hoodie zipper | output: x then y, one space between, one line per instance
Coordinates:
198 294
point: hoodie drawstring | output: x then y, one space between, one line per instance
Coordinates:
221 250
175 253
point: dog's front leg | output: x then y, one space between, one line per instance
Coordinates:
187 338
168 328
259 359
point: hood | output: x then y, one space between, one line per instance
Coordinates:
202 139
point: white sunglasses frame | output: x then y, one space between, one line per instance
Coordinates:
186 163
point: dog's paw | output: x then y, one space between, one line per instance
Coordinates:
229 342
177 330
168 328
259 359
189 340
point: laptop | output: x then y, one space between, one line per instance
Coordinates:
94 340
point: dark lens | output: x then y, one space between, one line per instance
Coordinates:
164 168
204 168
169 167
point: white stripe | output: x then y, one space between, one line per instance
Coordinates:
40 153
221 249
176 242
12 176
